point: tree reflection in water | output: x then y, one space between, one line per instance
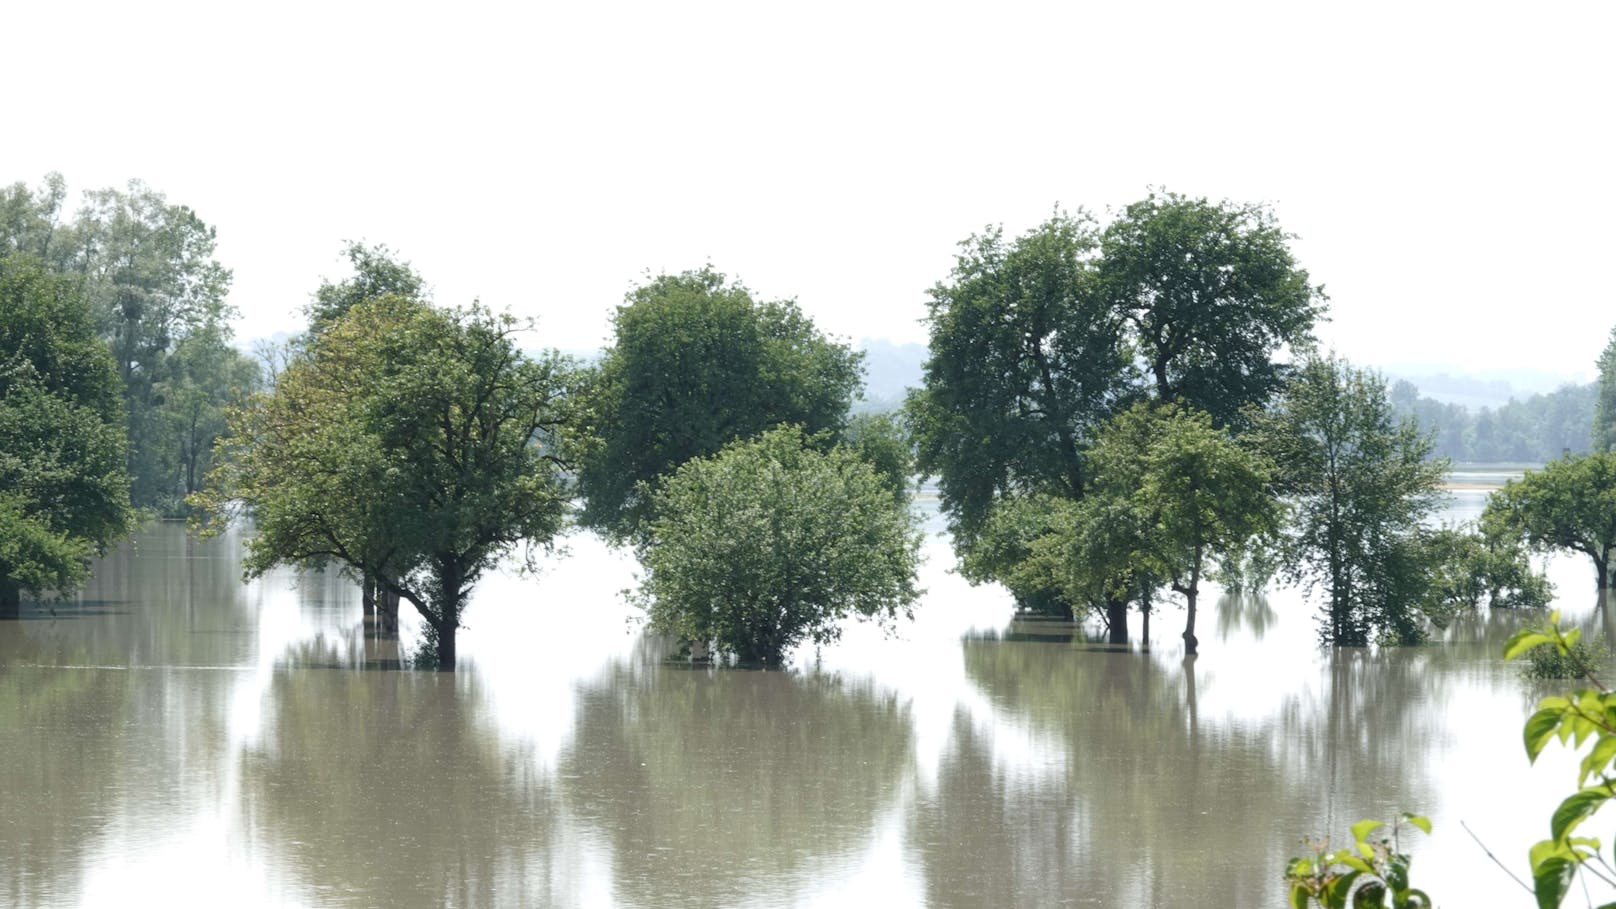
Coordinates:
401 795
1140 798
723 788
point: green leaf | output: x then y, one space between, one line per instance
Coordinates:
1418 820
1551 879
1603 752
1362 829
1335 893
1575 809
1298 897
1524 640
1539 729
1370 896
1355 863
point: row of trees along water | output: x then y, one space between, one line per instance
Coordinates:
1114 412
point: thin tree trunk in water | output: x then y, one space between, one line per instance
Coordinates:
1191 593
367 597
10 599
1116 616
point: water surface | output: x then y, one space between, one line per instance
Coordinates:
182 736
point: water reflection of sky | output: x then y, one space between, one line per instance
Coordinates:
243 740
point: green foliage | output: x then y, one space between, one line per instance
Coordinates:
698 363
1211 291
1603 430
1575 718
880 439
1569 504
1026 363
1359 483
1373 872
64 489
377 272
1546 661
207 378
147 270
1170 494
1468 569
1534 429
1037 343
771 542
411 444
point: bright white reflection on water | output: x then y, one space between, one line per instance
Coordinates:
178 734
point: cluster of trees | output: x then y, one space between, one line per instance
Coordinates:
1532 431
1112 412
154 294
416 446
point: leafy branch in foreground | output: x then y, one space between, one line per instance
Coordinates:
1574 718
1372 872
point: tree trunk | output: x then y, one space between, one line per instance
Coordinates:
1116 617
1190 641
367 597
387 613
10 599
1602 565
450 580
446 644
1191 593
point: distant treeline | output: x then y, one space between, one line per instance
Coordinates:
1535 430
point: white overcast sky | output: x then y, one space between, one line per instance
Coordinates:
1450 168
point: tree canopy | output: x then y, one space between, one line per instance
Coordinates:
1569 504
1037 343
1359 482
696 364
1211 292
773 541
64 489
151 281
413 444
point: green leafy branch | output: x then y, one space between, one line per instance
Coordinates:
1373 872
1575 719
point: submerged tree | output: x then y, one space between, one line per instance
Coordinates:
64 489
771 542
1036 343
1359 482
148 272
698 363
1171 496
412 444
1569 504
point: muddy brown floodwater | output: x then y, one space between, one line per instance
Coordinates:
177 736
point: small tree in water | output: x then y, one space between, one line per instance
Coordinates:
409 443
772 542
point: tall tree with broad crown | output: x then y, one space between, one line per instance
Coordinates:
1035 344
1211 293
412 444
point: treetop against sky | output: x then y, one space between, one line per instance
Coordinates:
1444 165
